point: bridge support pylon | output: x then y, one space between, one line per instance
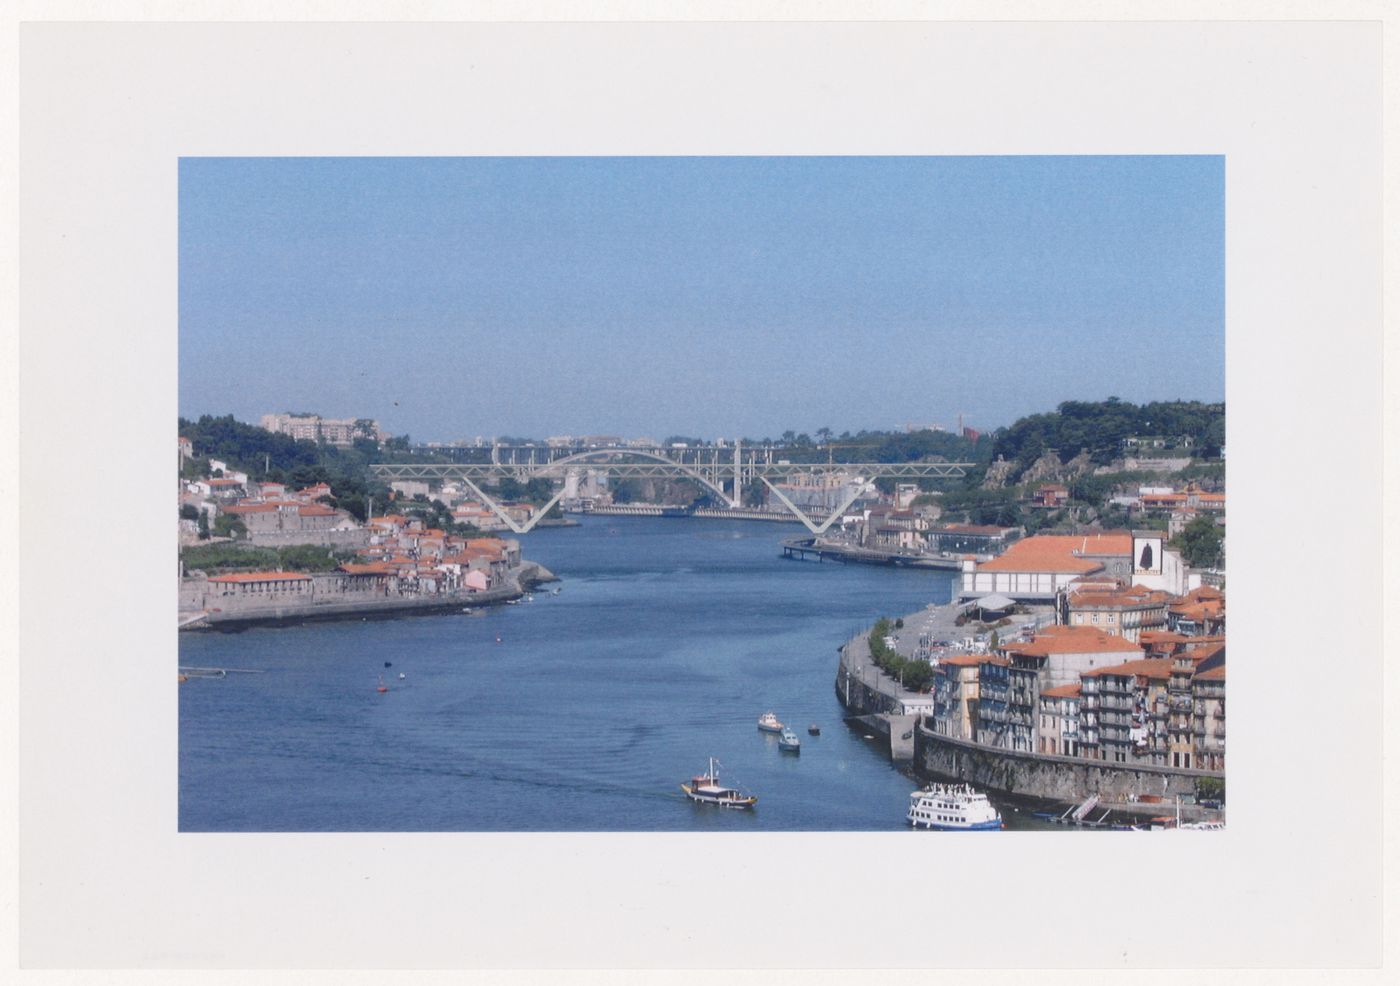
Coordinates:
802 514
499 511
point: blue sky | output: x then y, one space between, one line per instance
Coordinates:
457 297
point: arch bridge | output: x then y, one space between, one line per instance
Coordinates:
722 470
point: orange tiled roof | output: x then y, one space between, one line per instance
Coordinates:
1058 553
1162 637
1073 640
371 568
962 660
1198 611
1216 673
1199 654
1063 691
1142 668
1136 596
1203 593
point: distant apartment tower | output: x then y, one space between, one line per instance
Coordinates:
315 428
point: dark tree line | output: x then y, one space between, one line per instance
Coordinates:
1100 428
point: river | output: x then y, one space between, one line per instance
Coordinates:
667 640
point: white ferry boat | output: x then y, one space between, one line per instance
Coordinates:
769 723
706 789
952 808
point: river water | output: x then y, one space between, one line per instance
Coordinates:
667 640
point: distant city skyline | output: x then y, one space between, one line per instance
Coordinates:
450 298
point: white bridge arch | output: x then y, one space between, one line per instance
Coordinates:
709 466
681 469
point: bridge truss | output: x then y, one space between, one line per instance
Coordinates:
723 471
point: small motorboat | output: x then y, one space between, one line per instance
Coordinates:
788 741
768 723
382 687
402 676
557 590
814 730
706 789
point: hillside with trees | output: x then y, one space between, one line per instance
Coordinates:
1099 429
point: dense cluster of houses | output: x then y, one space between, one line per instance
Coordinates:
1131 671
465 509
404 559
1178 506
410 556
271 513
395 554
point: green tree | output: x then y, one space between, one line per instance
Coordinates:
307 558
228 526
1200 543
188 511
203 526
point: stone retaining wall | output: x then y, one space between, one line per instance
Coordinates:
349 538
1041 775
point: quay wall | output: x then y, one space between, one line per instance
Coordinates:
862 687
800 547
877 700
230 612
1043 775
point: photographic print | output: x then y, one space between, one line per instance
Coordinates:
702 494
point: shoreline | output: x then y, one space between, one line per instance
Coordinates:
799 548
524 578
879 702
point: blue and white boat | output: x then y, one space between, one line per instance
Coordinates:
788 741
952 808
